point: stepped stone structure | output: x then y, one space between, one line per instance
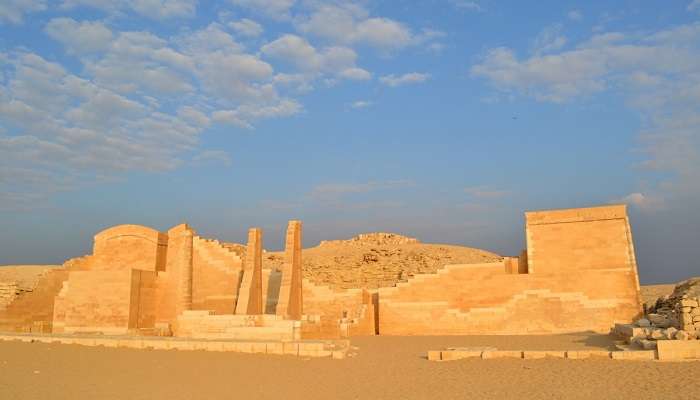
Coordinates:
578 273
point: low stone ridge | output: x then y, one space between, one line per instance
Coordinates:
375 260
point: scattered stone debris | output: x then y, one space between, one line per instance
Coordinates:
672 317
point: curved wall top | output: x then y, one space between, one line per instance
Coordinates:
130 247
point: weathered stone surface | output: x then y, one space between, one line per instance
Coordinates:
659 320
682 335
643 323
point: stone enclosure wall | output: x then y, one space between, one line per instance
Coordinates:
578 273
581 275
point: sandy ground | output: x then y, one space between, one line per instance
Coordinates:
385 368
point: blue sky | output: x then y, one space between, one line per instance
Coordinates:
442 119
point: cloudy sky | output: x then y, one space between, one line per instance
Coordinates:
440 119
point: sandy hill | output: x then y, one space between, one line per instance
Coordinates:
377 260
26 276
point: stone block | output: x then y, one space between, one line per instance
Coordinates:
492 354
584 354
640 355
291 348
689 303
275 348
533 354
434 355
449 355
670 350
339 354
258 347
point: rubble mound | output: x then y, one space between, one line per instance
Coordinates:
675 316
680 308
377 238
375 260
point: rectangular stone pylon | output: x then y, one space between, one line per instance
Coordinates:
290 300
250 295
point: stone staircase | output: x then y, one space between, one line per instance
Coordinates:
218 256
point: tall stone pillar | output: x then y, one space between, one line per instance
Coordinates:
250 295
180 242
290 296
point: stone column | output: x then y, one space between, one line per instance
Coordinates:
290 295
250 295
180 241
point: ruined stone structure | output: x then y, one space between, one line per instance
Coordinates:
578 273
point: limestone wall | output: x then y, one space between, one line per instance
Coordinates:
333 313
32 310
130 246
8 292
579 239
217 273
581 275
109 302
205 325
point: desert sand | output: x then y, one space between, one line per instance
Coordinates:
384 367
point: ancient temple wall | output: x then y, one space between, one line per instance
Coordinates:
130 247
173 287
96 301
216 277
581 275
336 312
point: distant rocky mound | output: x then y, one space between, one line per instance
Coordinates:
377 238
374 260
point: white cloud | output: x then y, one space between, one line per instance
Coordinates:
241 116
154 9
247 27
694 5
562 76
298 52
361 104
13 11
659 76
277 9
354 73
641 201
79 37
575 15
405 79
549 39
350 23
467 5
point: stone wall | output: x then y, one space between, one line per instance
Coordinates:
108 301
8 292
130 246
31 310
217 273
581 275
